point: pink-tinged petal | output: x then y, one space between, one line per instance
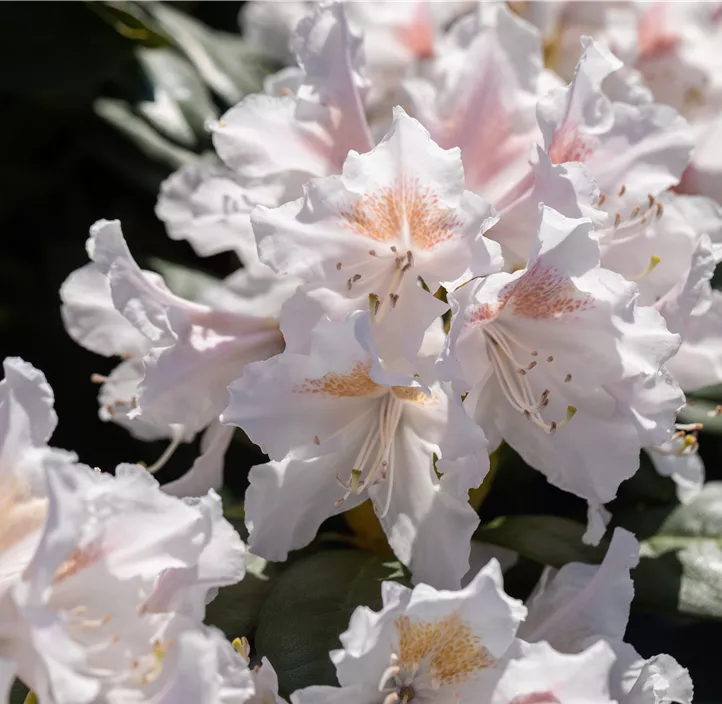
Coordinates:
543 676
139 296
186 383
581 601
207 470
630 150
699 360
92 320
302 491
331 56
567 188
428 529
483 96
262 137
313 131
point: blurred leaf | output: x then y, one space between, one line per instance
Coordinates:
548 540
236 608
121 115
681 565
18 693
310 605
131 21
222 59
181 103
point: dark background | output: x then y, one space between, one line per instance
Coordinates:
62 168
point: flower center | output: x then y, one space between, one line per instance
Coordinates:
512 376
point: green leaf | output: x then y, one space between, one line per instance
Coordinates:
310 606
181 103
236 608
548 540
681 566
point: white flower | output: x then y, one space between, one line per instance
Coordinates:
121 576
395 214
581 604
337 433
560 360
425 645
190 351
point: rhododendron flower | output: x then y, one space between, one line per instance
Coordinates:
337 434
559 359
190 350
582 604
395 214
442 646
101 576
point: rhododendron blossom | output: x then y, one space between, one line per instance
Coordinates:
457 225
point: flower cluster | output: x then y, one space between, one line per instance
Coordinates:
520 253
104 582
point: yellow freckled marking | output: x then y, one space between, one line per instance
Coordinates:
78 560
404 207
413 394
356 383
21 514
449 646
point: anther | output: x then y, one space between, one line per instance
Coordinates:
372 252
534 353
550 358
316 440
393 248
356 277
339 265
601 200
568 378
636 210
617 220
521 371
651 199
531 365
98 378
394 299
349 284
622 190
410 257
660 210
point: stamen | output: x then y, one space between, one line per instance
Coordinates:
98 378
388 674
653 261
172 447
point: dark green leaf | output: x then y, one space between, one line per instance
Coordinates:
548 540
309 607
236 608
681 565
